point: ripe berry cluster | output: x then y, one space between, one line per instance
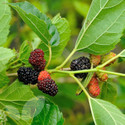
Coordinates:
28 75
84 63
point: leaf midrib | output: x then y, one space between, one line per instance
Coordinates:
105 110
89 24
105 30
33 23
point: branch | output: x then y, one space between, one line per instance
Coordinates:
80 84
12 74
70 55
50 56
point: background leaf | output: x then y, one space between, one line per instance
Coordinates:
38 22
109 91
105 113
103 27
5 17
20 104
24 52
3 79
49 114
63 28
13 99
5 55
16 92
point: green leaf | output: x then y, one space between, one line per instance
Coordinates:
47 113
2 67
122 54
3 79
109 91
13 99
64 30
65 33
122 42
35 43
6 55
5 17
20 105
24 52
103 27
38 22
105 113
17 91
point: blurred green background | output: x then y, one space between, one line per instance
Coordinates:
75 108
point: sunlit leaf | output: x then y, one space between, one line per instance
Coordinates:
103 27
5 17
105 113
38 22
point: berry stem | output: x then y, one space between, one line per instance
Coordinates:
110 60
84 83
16 66
86 71
66 69
50 56
113 73
73 72
70 55
14 62
80 84
12 74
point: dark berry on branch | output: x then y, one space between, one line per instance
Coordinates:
81 63
37 60
48 86
27 75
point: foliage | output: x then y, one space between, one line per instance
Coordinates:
100 33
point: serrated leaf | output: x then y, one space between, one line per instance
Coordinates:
105 113
13 99
17 91
109 91
47 113
38 22
5 55
3 79
63 28
103 27
22 106
24 52
5 17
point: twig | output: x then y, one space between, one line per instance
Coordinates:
12 74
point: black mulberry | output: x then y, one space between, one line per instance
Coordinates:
48 86
81 63
27 75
